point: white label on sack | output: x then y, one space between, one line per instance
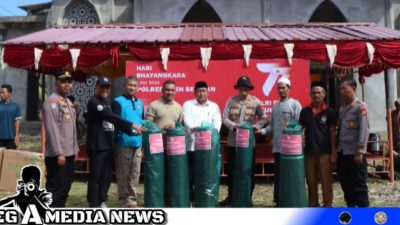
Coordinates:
202 140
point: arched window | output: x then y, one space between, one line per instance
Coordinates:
201 12
327 11
80 12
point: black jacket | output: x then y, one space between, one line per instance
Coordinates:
99 119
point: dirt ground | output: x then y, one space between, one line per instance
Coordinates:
382 193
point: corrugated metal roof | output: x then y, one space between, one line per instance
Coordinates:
166 33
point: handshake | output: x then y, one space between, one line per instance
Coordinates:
138 130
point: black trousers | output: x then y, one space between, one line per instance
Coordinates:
8 143
191 156
277 157
353 179
101 164
59 179
230 167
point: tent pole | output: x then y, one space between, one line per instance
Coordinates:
388 87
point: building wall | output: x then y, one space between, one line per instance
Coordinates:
173 11
18 78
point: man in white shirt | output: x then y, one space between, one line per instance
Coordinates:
195 112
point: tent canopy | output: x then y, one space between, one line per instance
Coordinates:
100 49
87 48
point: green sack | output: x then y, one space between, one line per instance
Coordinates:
293 128
153 166
241 193
207 166
177 165
292 187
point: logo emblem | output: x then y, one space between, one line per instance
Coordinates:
345 218
380 217
275 71
100 108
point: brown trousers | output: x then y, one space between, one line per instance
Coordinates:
127 166
318 168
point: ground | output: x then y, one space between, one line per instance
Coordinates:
382 193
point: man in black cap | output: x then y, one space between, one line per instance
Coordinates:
195 112
100 142
59 118
239 109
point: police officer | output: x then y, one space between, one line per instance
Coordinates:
238 110
100 142
61 140
353 131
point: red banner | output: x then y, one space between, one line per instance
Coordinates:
221 76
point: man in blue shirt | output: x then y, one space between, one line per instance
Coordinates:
10 116
129 148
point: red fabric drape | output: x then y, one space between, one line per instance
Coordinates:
115 56
19 56
55 57
92 56
388 52
184 51
351 54
267 50
311 50
226 50
368 70
220 50
145 52
179 51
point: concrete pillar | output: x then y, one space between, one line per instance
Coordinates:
265 13
137 11
391 73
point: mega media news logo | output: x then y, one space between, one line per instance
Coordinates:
31 205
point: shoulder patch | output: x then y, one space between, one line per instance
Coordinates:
100 108
363 110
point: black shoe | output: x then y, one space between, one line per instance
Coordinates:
226 202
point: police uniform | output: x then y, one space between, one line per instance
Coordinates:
353 131
59 122
237 112
242 111
100 145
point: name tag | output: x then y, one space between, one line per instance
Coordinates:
156 143
176 145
